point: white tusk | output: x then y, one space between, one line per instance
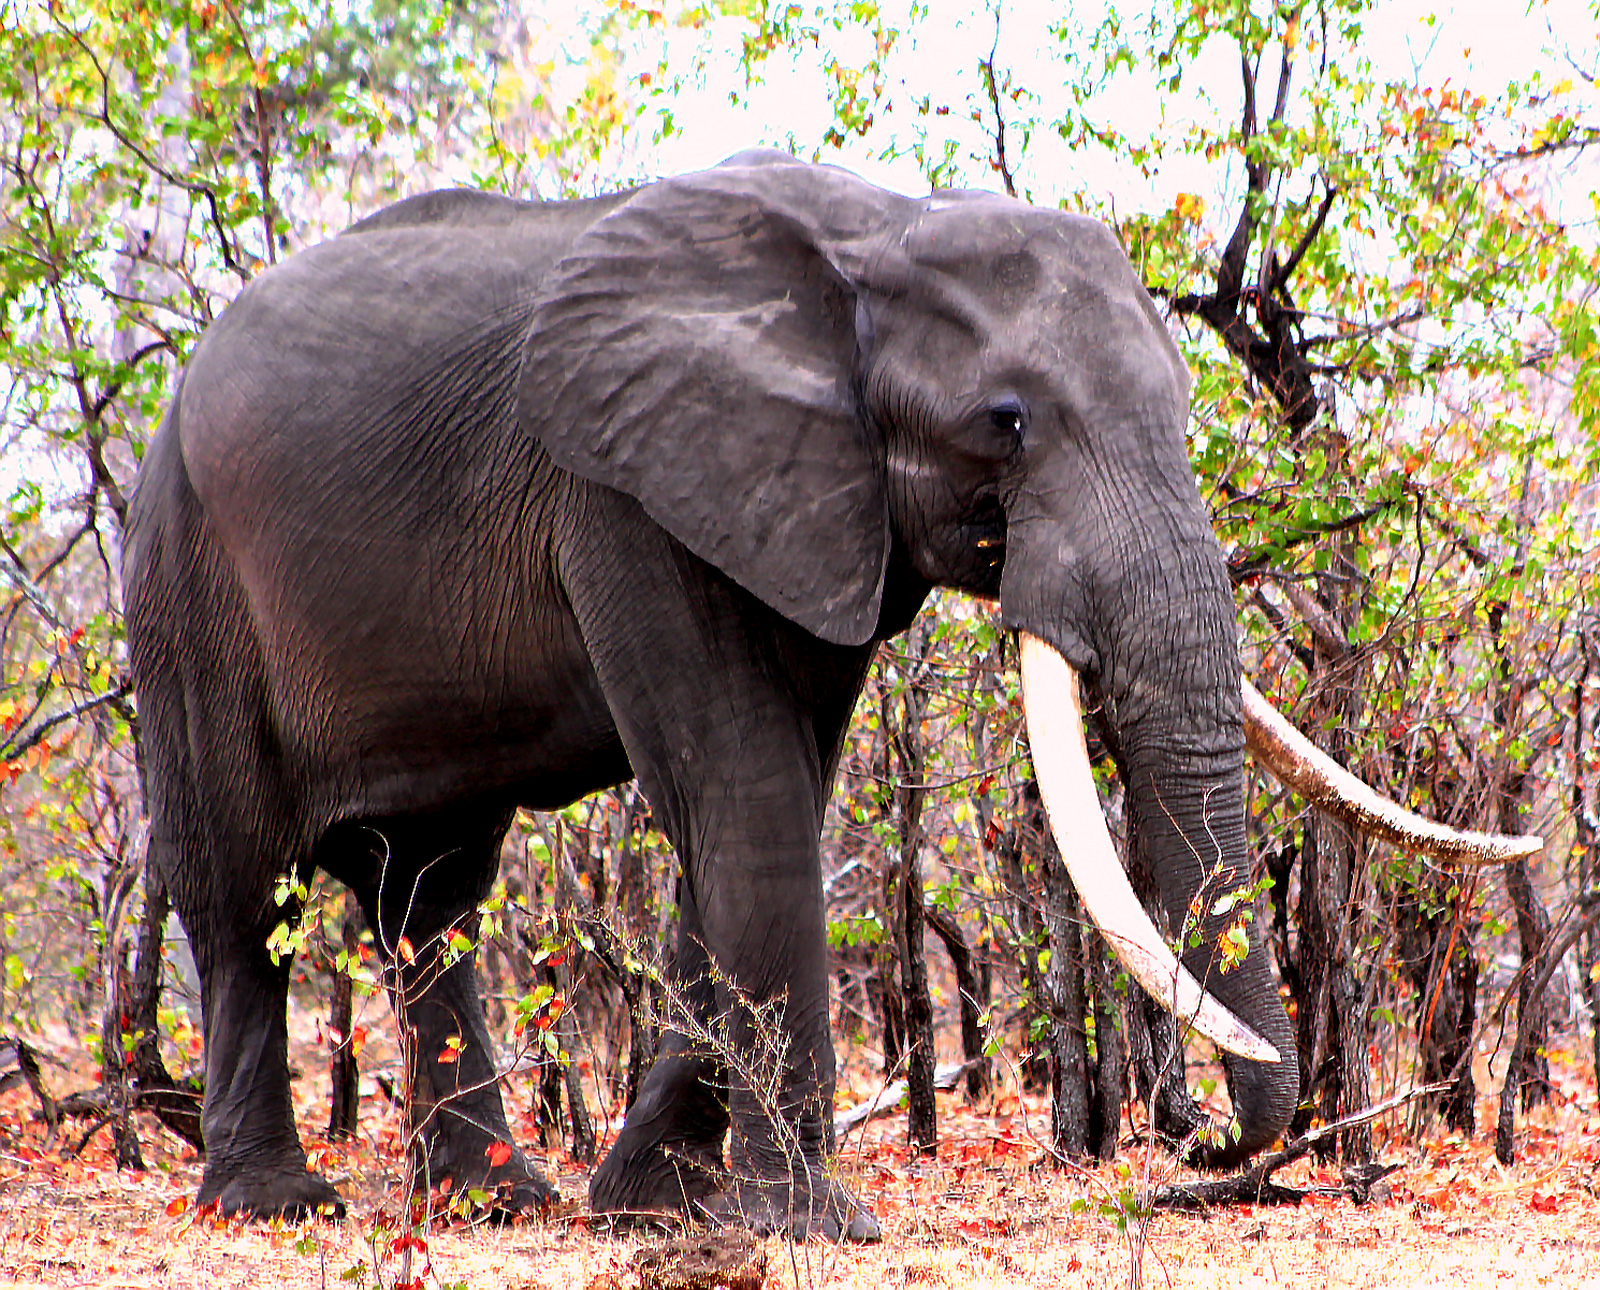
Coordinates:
1324 783
1061 762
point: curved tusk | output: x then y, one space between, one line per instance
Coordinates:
1061 762
1324 783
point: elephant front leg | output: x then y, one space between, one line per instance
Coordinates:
255 1166
668 1156
717 700
773 1003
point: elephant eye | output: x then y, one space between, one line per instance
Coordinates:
1009 417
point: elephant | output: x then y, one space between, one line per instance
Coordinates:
488 503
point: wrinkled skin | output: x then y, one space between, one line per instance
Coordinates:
485 504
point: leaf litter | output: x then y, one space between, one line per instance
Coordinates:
988 1210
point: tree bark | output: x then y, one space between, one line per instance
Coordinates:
343 1070
1017 865
1437 950
974 998
1050 923
1333 1010
909 795
1586 817
1110 1062
1160 1077
1068 1004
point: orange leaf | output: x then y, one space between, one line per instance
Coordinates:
448 1056
177 1205
404 950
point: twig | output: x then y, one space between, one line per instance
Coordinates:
13 748
991 83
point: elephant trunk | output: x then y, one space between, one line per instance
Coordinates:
1186 815
1190 828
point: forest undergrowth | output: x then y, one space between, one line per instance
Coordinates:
989 1209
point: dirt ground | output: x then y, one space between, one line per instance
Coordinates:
986 1212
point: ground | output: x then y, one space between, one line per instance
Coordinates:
987 1211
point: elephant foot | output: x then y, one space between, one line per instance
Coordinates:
657 1179
668 1156
281 1193
797 1209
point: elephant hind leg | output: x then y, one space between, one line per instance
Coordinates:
255 1166
419 879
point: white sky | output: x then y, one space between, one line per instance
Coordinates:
1481 46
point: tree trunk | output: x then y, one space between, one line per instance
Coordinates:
119 1025
1018 866
1159 1074
1443 969
636 906
585 1144
909 795
342 1066
1586 817
974 998
1332 1017
1110 1063
1068 1005
547 1099
1050 926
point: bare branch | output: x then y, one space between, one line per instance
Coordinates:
24 740
992 84
1254 1185
1280 280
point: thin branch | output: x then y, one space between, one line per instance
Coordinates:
162 172
24 740
1280 279
991 82
1245 563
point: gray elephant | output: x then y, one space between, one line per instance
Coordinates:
488 503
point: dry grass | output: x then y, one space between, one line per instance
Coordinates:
985 1212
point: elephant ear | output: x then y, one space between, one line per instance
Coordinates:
697 349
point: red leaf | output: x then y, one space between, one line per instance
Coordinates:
498 1153
447 1056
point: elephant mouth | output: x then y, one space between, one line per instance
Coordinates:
1061 764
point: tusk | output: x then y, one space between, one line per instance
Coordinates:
1324 783
1061 762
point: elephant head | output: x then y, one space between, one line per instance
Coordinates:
840 396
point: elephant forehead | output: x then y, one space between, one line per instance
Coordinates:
1007 246
1047 299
